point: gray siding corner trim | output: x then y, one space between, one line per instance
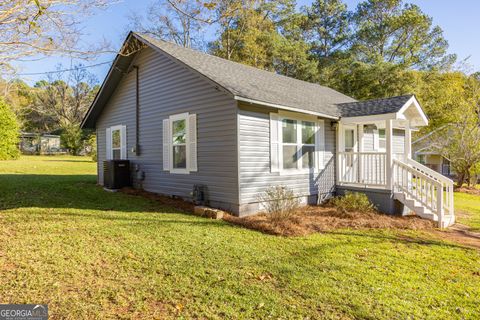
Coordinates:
254 161
166 88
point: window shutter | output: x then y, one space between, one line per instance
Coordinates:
108 144
192 142
376 143
320 145
274 143
123 141
166 144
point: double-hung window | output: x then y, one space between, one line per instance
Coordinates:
116 141
297 143
180 143
382 140
116 144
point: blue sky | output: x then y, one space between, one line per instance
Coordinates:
458 19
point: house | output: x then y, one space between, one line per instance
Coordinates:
186 119
39 143
426 154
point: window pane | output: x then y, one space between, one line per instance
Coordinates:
116 154
179 132
290 157
307 157
180 157
116 139
349 133
289 131
381 133
308 132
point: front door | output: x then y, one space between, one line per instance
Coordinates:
351 158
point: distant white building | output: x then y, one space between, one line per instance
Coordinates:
37 143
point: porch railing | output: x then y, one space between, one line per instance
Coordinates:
366 168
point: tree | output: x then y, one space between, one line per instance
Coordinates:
266 35
61 104
178 21
9 131
459 140
327 28
31 27
389 31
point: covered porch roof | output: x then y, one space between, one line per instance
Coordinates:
404 108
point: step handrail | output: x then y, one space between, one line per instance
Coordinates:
440 203
429 171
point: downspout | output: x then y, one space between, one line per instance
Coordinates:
137 112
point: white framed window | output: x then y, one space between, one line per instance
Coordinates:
180 143
296 143
116 142
379 140
349 142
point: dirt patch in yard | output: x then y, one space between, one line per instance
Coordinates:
312 219
173 202
460 234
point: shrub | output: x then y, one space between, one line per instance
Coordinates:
91 146
8 133
72 139
279 202
353 202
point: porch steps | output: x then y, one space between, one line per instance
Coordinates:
421 211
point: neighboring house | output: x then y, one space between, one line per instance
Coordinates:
38 143
184 118
424 153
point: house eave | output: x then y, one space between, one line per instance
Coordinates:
283 107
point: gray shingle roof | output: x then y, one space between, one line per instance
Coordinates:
255 84
249 83
373 107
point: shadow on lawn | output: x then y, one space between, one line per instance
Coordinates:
70 192
397 238
67 160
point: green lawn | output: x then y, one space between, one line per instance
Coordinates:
93 254
467 207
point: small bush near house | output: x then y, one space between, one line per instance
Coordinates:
353 202
279 202
8 133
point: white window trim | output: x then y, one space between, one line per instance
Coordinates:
298 118
172 118
377 139
122 141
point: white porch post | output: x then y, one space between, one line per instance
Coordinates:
389 149
360 150
340 148
408 141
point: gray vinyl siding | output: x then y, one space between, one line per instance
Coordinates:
398 140
254 160
167 88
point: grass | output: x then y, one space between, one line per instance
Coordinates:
467 207
93 254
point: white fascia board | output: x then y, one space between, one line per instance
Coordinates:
273 105
369 119
414 101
